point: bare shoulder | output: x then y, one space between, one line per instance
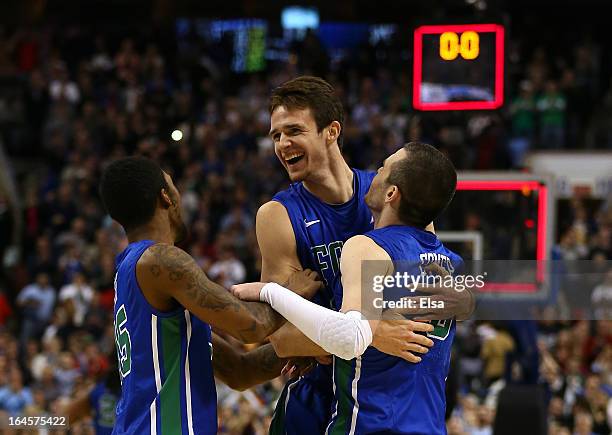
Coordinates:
274 229
162 264
164 269
364 248
162 255
277 242
272 212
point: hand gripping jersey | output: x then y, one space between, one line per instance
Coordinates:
165 362
320 231
383 394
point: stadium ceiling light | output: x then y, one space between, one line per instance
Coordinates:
177 135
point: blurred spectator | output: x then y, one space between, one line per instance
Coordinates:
227 270
523 119
601 299
483 422
61 88
14 397
551 107
66 373
496 346
36 303
570 248
77 297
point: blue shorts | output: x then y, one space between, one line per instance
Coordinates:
303 408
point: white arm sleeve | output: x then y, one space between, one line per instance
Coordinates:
346 335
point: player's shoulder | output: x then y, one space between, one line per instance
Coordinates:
272 212
274 228
455 258
162 252
365 248
160 256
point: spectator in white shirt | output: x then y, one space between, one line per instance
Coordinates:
227 270
77 297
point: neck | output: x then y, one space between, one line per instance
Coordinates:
156 229
336 185
385 218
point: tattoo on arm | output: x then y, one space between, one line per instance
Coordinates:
264 363
240 370
258 319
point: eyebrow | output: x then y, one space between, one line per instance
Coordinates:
288 126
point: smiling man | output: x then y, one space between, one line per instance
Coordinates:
306 226
375 392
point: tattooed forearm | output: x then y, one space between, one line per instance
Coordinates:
241 370
264 362
247 321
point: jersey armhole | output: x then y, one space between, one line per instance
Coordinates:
173 313
299 247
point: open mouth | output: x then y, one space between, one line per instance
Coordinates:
293 159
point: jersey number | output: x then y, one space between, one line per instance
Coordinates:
332 251
123 342
441 329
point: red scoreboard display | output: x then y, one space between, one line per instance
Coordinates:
458 67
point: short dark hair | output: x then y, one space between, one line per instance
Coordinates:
314 93
129 189
427 180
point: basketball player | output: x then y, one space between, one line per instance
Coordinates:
164 304
306 226
99 402
376 392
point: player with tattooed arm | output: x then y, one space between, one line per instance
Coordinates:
164 304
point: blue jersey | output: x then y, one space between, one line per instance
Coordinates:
164 358
320 231
103 402
380 393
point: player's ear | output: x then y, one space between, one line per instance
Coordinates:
333 132
392 194
165 198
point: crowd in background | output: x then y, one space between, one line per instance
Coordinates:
73 102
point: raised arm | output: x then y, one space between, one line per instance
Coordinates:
170 271
241 370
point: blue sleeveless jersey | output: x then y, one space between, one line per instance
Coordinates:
167 384
380 393
103 402
320 231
